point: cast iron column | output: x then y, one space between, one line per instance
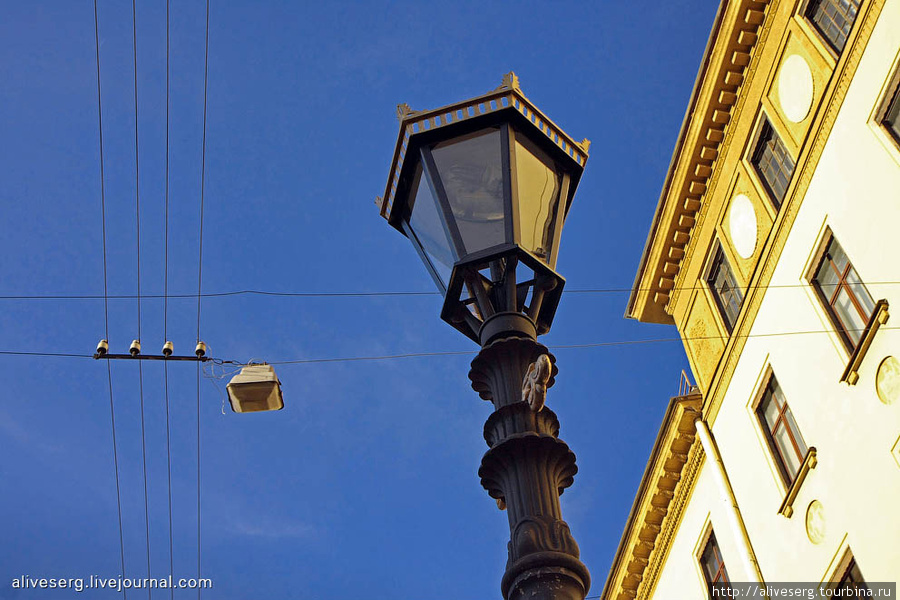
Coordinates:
526 469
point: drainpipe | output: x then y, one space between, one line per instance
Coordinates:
748 557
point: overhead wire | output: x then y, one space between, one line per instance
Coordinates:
166 323
137 197
200 279
552 347
112 410
245 292
219 361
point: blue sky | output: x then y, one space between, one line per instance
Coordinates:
365 484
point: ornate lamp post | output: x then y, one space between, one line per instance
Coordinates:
482 188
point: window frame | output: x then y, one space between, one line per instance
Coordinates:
721 569
846 583
890 99
765 132
828 304
767 394
809 8
716 260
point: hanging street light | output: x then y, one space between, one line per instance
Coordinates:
256 388
482 189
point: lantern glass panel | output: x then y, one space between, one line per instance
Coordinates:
426 222
471 172
538 186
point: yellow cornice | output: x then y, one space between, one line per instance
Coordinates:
651 505
728 52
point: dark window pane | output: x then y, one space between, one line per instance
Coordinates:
833 19
725 289
892 116
849 302
773 163
472 174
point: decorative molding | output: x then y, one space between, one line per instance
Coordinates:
506 97
727 140
534 385
705 130
683 493
662 487
505 360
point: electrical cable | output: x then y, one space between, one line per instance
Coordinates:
44 354
200 276
112 410
137 197
144 468
169 463
562 346
199 538
112 416
367 294
203 173
611 343
166 324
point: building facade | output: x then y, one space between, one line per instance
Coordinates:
773 251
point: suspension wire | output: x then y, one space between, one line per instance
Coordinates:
112 410
257 292
169 461
200 277
137 198
166 323
112 417
102 176
137 168
563 346
219 361
144 468
44 354
198 480
203 172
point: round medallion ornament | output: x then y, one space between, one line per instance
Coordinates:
795 88
815 522
742 225
887 381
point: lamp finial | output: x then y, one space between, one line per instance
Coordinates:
403 110
510 80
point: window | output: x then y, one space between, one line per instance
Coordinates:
781 430
713 566
846 298
773 163
724 288
833 19
853 580
890 112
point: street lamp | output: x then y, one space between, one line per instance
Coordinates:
482 188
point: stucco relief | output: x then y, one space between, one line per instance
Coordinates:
887 381
815 522
704 341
